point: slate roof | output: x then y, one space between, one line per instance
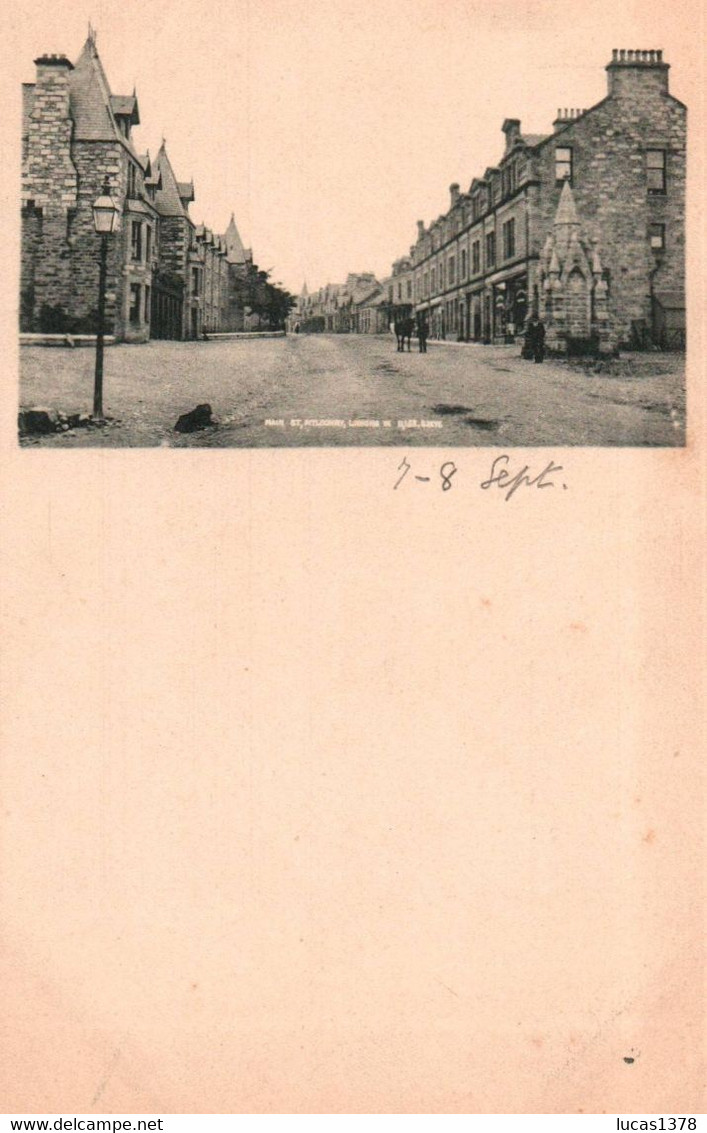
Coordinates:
168 201
234 245
90 99
534 139
126 106
186 190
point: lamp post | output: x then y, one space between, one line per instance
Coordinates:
105 215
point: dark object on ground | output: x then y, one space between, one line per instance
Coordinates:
445 410
199 418
37 421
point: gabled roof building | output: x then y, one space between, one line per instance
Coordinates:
162 281
613 176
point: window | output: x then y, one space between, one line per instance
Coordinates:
509 239
476 257
450 271
463 264
195 281
490 249
656 234
136 233
134 303
409 289
508 179
433 280
147 304
563 164
132 180
148 243
655 170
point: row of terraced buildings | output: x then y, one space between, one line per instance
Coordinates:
583 227
167 276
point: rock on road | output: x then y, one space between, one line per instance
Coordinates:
336 385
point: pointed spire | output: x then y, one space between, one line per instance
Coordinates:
566 209
237 254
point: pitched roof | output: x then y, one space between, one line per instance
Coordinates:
168 201
534 139
90 99
234 245
186 190
126 106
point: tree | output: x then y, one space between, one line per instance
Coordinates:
254 291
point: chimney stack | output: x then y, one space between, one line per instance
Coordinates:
630 69
511 128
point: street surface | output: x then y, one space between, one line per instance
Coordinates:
342 389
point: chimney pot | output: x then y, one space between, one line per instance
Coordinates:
53 61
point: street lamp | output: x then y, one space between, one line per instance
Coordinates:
105 215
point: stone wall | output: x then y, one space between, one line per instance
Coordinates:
60 247
175 239
609 146
96 161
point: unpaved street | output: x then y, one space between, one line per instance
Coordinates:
357 390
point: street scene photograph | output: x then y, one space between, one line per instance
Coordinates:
327 228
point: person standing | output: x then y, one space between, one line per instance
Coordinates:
422 333
528 350
539 341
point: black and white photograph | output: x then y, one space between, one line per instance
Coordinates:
326 225
352 566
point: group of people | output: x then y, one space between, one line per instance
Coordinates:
533 344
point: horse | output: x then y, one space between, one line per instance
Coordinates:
403 331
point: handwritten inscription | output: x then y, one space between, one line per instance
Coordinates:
507 481
502 476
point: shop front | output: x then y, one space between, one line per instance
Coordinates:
509 308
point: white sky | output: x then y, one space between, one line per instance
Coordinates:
329 128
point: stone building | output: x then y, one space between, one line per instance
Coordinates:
77 135
478 270
165 277
358 306
239 261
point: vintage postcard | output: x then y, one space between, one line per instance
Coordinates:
542 292
355 767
